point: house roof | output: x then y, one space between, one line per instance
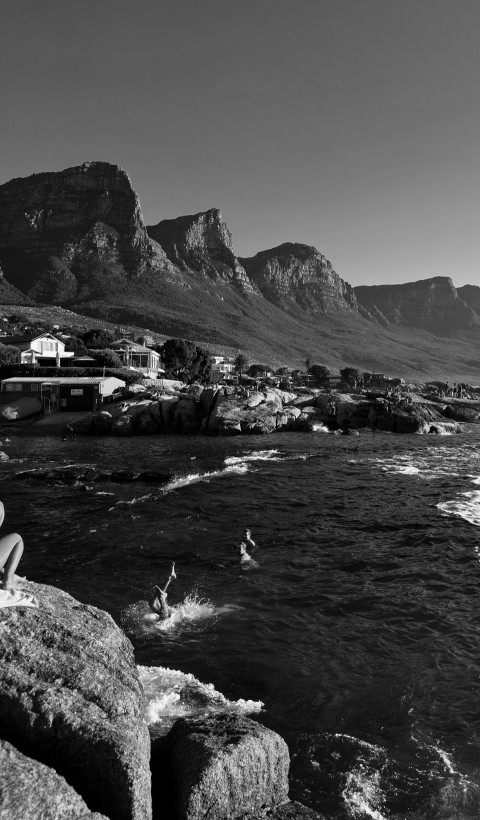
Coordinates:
6 340
60 379
123 344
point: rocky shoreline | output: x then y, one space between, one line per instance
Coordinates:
220 412
74 740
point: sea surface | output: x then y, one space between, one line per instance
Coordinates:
354 632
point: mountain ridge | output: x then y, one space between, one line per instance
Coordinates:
77 238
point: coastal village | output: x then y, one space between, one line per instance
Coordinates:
128 388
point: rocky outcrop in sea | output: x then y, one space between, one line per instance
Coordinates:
74 741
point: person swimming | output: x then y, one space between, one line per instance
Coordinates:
247 537
244 556
159 602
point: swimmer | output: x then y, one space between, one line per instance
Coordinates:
247 537
159 602
11 550
244 556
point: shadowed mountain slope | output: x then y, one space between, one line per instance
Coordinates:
430 304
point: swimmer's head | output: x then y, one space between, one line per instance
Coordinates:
242 548
247 533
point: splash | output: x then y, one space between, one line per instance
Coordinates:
191 609
171 694
318 427
362 793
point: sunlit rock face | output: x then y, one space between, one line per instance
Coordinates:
298 275
202 243
59 230
430 304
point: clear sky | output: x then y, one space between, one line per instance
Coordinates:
350 125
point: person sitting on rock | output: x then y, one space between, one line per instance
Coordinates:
159 602
11 550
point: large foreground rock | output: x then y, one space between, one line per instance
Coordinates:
224 766
29 790
20 409
289 811
70 697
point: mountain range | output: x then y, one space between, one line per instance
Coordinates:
77 238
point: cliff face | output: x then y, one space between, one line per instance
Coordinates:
58 228
471 296
202 243
431 304
296 275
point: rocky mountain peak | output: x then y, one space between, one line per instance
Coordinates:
430 304
82 216
298 275
202 243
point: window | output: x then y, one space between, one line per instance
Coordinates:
76 391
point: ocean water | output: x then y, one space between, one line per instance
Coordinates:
356 632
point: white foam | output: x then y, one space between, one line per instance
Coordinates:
171 694
257 455
194 478
362 793
134 500
318 427
466 506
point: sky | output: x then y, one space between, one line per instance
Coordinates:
349 125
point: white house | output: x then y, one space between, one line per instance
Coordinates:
44 349
138 357
223 364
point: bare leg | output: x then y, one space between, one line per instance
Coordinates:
159 604
11 550
170 578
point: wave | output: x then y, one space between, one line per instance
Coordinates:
135 500
171 694
466 506
256 455
455 795
194 478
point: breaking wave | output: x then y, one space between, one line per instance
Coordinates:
171 694
195 478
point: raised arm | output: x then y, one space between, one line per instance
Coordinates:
2 513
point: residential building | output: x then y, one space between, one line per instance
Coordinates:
223 364
138 357
62 393
43 349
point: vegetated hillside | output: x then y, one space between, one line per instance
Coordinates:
77 239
